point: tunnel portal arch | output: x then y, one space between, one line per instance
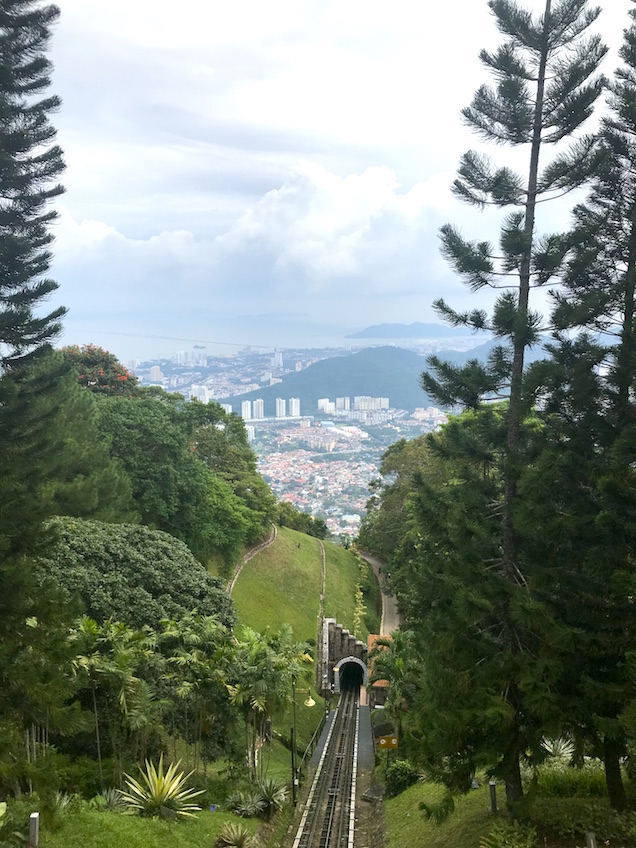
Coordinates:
344 661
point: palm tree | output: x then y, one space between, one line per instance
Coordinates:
394 658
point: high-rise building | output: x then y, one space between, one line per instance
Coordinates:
343 404
322 403
258 408
249 431
280 407
201 393
277 360
294 407
227 407
155 373
246 410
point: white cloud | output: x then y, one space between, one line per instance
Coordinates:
256 157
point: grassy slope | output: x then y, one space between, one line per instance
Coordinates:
282 585
343 574
90 829
406 824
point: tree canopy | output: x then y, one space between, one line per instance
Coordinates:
131 573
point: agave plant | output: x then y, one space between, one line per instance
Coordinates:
156 790
558 749
110 799
233 836
246 804
274 795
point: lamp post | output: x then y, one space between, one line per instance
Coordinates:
309 702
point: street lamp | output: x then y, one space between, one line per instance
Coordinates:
308 702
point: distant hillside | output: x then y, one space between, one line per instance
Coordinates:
391 372
417 330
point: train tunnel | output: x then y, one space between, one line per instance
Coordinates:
350 672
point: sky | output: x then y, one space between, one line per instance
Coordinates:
264 173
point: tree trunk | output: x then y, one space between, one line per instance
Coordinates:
512 775
97 739
612 751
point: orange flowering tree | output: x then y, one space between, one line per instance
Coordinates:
99 370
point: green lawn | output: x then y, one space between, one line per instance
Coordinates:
407 826
91 829
343 575
281 585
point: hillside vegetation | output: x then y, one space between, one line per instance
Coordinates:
282 585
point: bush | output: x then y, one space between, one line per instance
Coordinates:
561 781
233 836
509 835
570 820
274 795
158 789
246 804
399 776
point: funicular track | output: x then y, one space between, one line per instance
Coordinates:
328 817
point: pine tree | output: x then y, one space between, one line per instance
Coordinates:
588 394
546 87
29 163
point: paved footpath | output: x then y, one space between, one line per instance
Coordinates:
248 556
390 616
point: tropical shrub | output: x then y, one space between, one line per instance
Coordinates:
246 804
399 776
233 836
510 835
157 789
274 795
557 781
110 799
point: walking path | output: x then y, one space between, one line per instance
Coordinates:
324 579
248 556
390 616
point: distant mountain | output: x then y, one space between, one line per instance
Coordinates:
416 330
392 372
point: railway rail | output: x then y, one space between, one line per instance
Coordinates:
329 814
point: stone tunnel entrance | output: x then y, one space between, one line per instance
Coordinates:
341 659
350 672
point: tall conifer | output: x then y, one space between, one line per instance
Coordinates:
30 164
589 520
546 87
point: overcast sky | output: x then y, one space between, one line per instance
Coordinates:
266 172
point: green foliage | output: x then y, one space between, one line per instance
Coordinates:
233 836
246 804
131 573
99 370
157 789
386 521
510 835
14 829
31 163
562 781
400 775
480 614
274 795
174 487
110 799
289 516
570 819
